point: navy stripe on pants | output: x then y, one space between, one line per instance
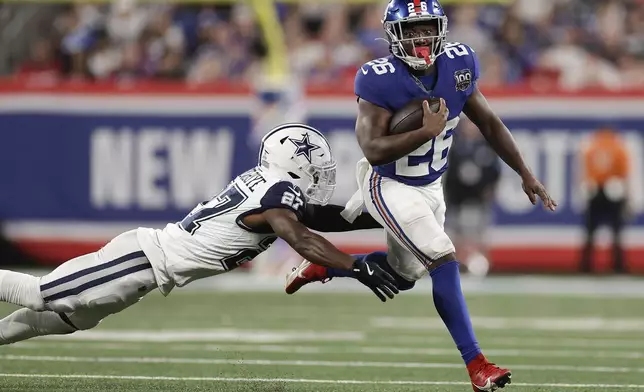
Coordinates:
87 271
96 282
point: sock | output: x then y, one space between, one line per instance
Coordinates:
341 273
21 289
26 323
451 306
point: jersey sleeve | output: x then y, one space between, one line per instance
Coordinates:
373 80
476 67
285 195
473 63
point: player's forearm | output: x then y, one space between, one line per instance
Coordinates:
328 219
386 149
501 140
318 250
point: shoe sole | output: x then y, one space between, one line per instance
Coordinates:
502 381
293 275
499 383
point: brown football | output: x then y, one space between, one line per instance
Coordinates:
410 116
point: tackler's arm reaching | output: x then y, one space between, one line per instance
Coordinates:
311 246
318 250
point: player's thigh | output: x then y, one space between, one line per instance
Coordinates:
106 281
403 261
369 201
409 215
111 298
440 209
435 198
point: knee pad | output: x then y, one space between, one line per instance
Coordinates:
108 304
380 258
84 320
92 312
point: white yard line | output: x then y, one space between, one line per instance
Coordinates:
577 324
270 362
401 338
522 341
211 335
369 350
305 381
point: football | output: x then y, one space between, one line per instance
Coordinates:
410 116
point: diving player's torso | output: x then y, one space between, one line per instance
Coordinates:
212 238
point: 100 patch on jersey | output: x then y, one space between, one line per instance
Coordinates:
463 79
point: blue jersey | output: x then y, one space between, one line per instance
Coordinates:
387 83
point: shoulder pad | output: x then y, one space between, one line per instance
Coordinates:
286 195
375 78
463 56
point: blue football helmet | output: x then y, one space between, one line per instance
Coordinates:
416 49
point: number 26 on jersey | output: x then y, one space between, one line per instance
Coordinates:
431 155
378 66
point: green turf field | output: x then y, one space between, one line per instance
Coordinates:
218 341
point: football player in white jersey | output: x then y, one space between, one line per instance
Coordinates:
287 191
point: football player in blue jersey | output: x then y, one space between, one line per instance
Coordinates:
399 179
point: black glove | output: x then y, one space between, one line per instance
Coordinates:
378 280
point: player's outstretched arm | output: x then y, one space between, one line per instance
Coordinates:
327 219
309 245
318 250
379 148
498 135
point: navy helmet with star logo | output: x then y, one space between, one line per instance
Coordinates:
300 154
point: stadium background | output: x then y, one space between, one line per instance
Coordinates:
116 115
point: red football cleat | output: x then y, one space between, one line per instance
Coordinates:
486 376
305 273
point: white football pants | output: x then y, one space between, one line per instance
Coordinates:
91 287
414 219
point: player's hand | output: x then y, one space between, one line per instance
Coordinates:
378 280
434 123
533 188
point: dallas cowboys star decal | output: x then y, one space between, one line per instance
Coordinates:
304 146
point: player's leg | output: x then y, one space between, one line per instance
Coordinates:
103 283
415 217
485 376
27 323
592 220
21 289
83 291
616 225
33 320
414 221
36 320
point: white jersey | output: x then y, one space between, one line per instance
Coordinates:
212 239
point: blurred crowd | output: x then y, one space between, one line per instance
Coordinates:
574 44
